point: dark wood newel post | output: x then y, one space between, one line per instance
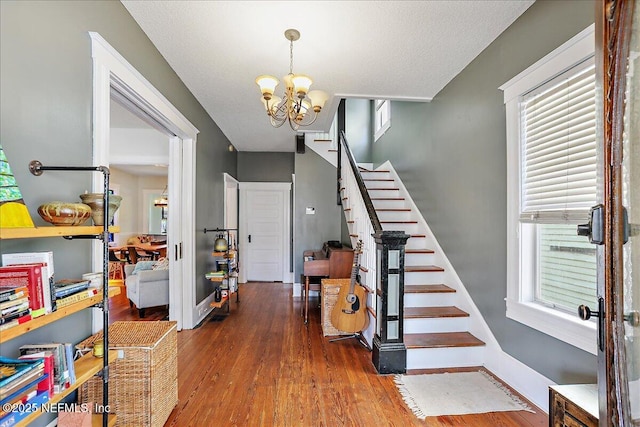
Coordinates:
389 351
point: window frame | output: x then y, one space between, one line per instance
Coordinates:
520 301
381 127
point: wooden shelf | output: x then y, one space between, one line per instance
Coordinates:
221 303
38 322
86 367
53 231
231 254
217 279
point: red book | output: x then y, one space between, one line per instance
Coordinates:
48 383
29 275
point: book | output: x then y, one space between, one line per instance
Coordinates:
44 258
8 294
77 297
60 372
20 398
15 417
15 308
12 369
49 361
68 287
28 275
14 302
70 364
15 316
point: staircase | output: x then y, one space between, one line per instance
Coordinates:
436 330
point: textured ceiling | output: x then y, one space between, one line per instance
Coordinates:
401 50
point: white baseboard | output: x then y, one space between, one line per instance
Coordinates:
297 290
203 309
526 381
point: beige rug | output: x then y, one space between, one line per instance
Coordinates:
456 394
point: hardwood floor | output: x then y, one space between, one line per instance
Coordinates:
261 366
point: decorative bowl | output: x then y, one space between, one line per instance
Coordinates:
64 213
96 202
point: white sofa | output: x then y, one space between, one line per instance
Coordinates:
146 288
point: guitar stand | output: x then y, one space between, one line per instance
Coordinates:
357 336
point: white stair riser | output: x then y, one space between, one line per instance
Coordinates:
376 194
388 204
417 243
375 175
418 258
394 215
434 358
423 277
410 228
436 299
443 324
379 183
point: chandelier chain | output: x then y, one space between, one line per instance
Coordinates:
291 56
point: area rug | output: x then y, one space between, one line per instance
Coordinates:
456 394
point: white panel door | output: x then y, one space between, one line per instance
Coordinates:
264 236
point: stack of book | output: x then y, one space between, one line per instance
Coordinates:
14 306
70 291
60 362
21 387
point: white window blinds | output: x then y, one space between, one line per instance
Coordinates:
559 150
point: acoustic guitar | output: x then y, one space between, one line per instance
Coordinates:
350 312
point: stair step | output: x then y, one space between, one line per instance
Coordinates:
378 179
422 268
371 171
441 340
427 289
383 189
419 251
418 236
399 222
394 210
433 312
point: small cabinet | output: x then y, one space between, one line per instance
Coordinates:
573 405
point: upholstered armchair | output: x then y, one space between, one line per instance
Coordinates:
146 288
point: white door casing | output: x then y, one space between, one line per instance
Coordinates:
265 233
112 71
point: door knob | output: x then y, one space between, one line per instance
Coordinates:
585 313
633 318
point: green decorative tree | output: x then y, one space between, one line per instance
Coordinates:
13 211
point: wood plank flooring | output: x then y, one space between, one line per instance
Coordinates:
261 366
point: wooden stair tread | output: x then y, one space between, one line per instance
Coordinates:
442 340
433 312
419 268
427 289
394 210
378 179
419 251
418 236
374 171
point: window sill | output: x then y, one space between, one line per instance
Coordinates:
563 326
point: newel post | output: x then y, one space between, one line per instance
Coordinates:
389 351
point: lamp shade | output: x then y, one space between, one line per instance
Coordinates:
318 99
301 84
267 85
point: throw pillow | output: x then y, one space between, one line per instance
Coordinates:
161 264
143 265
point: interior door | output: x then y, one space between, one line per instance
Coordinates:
619 286
264 233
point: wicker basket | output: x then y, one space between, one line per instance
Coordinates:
330 291
143 385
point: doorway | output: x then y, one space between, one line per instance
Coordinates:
265 235
114 76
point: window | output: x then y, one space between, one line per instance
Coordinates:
382 117
552 176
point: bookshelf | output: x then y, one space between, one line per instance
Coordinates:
38 322
86 367
229 259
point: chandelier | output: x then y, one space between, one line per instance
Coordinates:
299 106
163 200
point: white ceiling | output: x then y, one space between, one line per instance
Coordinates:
401 50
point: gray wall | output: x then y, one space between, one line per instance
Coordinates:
451 155
45 113
265 166
315 186
358 128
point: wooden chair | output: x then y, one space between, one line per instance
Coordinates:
136 255
116 266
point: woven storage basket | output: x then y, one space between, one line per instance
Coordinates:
143 385
330 291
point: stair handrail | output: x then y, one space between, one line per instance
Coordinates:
359 180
